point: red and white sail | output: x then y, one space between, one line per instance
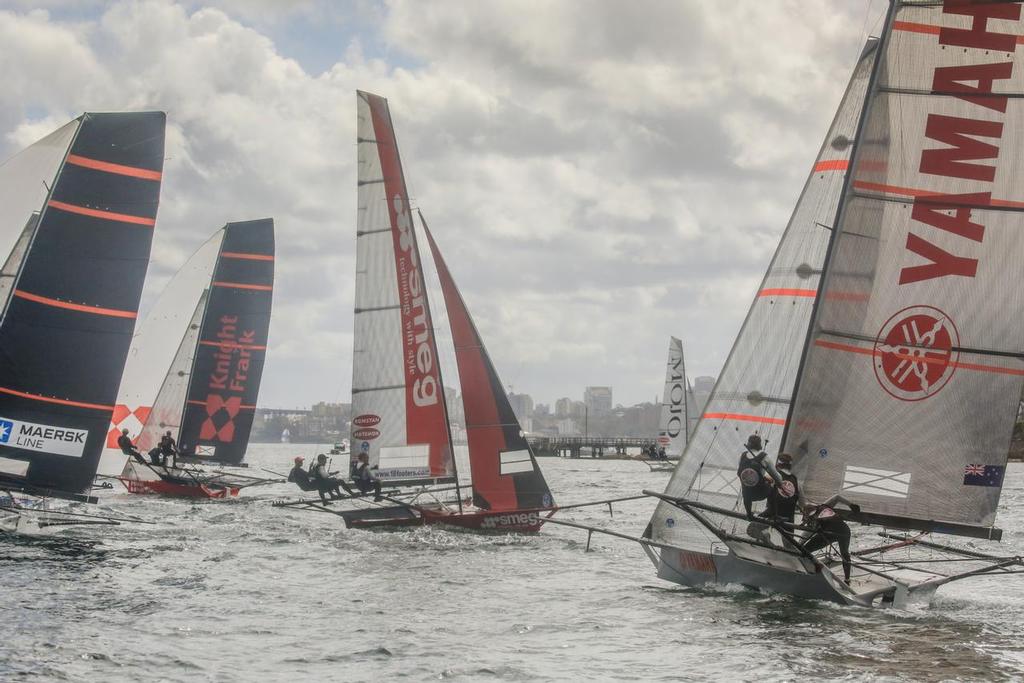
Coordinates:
915 365
398 406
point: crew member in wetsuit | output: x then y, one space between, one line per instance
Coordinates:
783 498
757 474
168 450
124 442
324 481
300 477
365 479
828 528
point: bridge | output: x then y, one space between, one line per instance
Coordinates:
574 446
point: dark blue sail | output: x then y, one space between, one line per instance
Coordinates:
68 322
228 364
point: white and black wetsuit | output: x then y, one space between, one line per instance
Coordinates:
365 480
752 470
829 528
783 498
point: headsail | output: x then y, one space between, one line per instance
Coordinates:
400 419
915 361
67 325
755 386
674 423
503 470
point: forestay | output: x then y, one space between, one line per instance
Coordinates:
754 389
504 472
913 373
68 321
398 405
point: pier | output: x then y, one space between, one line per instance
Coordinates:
598 446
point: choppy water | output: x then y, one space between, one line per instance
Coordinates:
241 591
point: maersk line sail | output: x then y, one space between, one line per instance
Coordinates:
78 210
399 414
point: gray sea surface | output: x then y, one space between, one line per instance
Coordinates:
238 590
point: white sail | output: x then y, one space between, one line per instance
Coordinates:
674 422
399 418
154 347
915 365
754 389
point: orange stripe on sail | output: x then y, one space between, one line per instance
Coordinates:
58 401
831 165
239 285
97 213
232 345
82 308
119 169
788 292
248 257
912 192
203 403
979 367
928 29
745 418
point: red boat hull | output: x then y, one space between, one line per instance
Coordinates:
166 488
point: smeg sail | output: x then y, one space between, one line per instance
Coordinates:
207 398
911 367
78 212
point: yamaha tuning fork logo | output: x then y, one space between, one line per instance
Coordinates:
914 355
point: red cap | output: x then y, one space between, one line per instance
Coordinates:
298 459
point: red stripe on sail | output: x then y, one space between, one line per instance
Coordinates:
57 401
927 29
745 418
119 169
232 345
241 285
97 213
788 292
82 308
247 257
979 367
831 165
203 403
912 192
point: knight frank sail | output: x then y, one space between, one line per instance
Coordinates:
78 213
894 382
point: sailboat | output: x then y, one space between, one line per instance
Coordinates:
907 370
401 422
78 209
678 418
208 394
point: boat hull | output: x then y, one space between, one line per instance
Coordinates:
484 521
175 490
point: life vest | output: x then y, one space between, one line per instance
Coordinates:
751 470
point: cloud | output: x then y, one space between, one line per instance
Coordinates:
599 175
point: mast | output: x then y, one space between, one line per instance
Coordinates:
847 180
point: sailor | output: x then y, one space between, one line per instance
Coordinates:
828 528
783 498
124 442
300 477
757 474
167 449
365 479
324 480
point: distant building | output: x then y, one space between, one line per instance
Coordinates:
522 405
323 409
598 400
568 427
542 410
563 407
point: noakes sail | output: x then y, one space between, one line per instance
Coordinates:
80 207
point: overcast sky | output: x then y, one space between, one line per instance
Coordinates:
600 175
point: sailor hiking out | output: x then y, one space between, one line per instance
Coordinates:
757 474
325 481
365 479
828 528
124 442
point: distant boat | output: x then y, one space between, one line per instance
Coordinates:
893 379
78 209
207 398
678 418
400 413
286 436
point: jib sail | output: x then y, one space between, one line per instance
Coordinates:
504 473
68 321
398 406
913 369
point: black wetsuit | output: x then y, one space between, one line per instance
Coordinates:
829 528
752 471
167 449
128 448
300 478
325 483
783 498
365 480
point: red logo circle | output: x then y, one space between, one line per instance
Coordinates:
914 353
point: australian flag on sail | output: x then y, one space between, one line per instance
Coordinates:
983 475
